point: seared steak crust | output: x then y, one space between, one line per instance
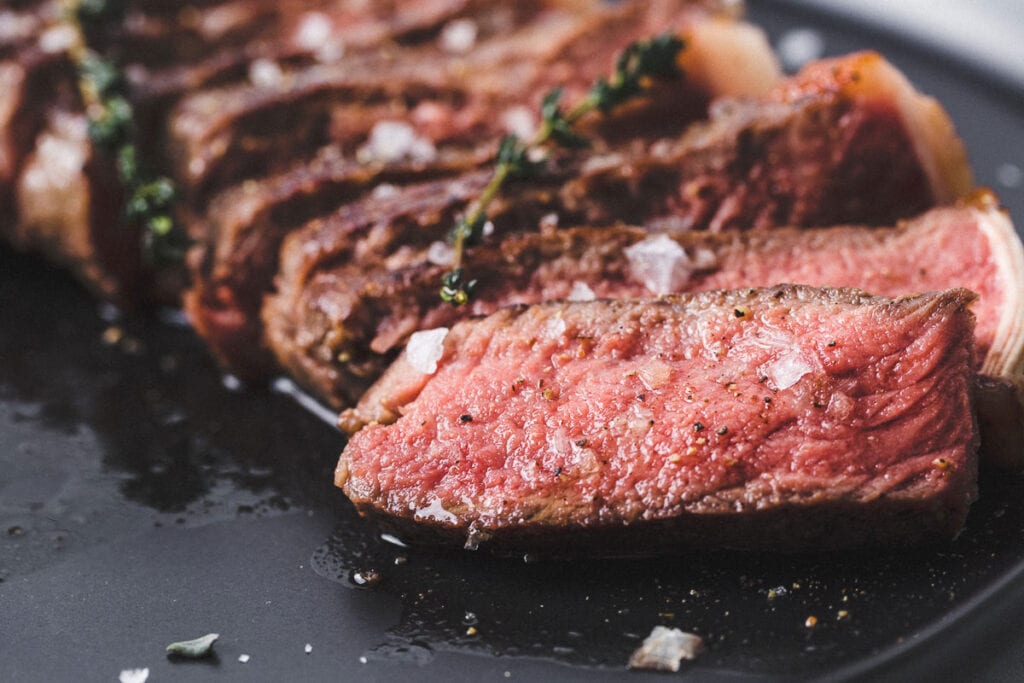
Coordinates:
788 418
366 315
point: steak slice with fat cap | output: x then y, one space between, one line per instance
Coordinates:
789 418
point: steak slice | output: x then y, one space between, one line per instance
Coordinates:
846 140
365 316
789 418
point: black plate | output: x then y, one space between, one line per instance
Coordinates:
143 500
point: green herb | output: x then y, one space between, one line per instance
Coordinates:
638 64
194 649
149 197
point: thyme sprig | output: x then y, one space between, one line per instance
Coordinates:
640 63
149 197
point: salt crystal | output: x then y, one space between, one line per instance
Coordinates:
384 191
393 141
231 382
57 39
665 648
1009 175
313 31
581 292
799 46
458 37
15 26
425 348
659 263
440 254
265 73
134 675
308 648
787 369
555 327
549 221
315 34
520 121
244 659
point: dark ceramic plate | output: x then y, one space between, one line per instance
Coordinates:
143 500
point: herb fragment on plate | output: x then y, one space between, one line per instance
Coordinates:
194 649
103 88
639 64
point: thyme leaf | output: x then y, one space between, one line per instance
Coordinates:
149 198
636 67
194 649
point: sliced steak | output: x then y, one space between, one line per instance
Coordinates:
222 135
790 418
240 235
350 322
816 151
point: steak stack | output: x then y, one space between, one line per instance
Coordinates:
322 152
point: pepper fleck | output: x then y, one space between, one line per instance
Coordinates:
722 431
698 427
832 343
466 418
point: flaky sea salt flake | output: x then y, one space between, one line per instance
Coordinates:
425 348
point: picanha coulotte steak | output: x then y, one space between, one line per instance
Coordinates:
321 151
781 418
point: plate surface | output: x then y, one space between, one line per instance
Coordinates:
144 500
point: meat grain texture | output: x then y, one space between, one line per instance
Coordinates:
789 418
845 141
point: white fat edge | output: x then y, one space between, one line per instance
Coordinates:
1006 355
425 348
